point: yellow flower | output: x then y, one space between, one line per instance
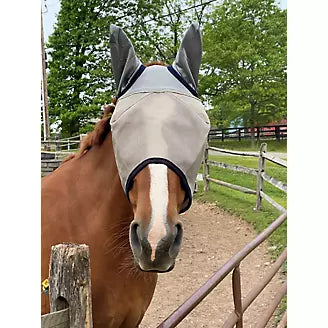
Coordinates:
45 284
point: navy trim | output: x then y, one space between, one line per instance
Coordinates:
169 164
176 74
133 79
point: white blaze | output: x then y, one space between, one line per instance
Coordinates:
159 197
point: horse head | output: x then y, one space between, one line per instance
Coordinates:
159 130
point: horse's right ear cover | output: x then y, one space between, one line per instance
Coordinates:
124 59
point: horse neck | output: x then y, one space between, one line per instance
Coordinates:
97 177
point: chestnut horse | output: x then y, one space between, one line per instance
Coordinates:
83 202
134 233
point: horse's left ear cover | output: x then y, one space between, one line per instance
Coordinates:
158 117
189 56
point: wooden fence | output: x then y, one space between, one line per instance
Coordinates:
259 173
70 286
56 145
277 132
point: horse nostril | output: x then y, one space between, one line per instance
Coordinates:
175 247
134 239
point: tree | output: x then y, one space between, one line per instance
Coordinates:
80 78
244 65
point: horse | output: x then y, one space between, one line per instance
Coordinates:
130 220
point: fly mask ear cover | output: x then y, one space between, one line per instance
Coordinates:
158 119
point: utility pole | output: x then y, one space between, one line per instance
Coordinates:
45 90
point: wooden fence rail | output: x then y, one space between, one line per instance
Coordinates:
59 319
69 288
277 132
62 144
235 152
259 173
237 168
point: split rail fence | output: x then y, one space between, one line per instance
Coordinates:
57 148
259 173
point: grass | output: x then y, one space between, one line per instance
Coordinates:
245 144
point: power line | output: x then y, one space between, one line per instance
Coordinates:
180 11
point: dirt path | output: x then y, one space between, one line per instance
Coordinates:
211 237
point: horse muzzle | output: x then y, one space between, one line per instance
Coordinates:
156 258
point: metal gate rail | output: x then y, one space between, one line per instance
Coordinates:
181 312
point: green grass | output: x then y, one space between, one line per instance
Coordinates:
241 204
245 144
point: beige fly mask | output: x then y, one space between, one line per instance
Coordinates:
158 117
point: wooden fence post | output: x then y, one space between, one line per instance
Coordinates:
206 169
57 143
277 132
261 167
70 283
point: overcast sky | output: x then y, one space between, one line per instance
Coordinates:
49 17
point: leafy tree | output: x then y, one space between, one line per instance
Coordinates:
244 65
80 78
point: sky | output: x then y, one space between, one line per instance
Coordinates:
50 14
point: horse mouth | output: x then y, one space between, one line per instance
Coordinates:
154 270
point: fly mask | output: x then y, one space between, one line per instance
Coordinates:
158 117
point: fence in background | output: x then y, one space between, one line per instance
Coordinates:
278 132
55 150
259 173
64 145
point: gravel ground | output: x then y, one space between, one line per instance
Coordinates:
211 237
